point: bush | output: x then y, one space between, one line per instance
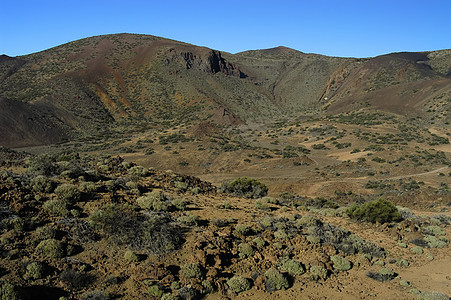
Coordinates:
155 291
136 172
435 242
179 204
51 248
75 279
318 272
131 256
383 274
246 250
43 165
238 284
68 193
156 233
45 232
35 270
259 242
291 266
41 184
7 291
340 263
154 200
380 210
432 296
191 271
95 295
275 280
56 208
245 187
189 220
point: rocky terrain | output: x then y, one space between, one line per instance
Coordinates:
136 167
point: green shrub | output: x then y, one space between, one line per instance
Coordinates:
76 279
68 193
56 208
35 270
88 187
154 200
239 284
241 229
51 248
293 267
275 280
155 291
318 272
137 172
434 230
45 232
155 233
261 204
189 220
380 210
131 256
43 164
259 242
246 250
179 203
432 296
7 291
383 274
340 263
192 270
245 187
42 184
95 295
436 242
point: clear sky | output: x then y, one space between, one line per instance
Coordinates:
357 28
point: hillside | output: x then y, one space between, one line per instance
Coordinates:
86 86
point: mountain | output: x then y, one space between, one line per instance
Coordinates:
85 87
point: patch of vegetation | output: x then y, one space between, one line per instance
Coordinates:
381 211
245 187
239 284
275 281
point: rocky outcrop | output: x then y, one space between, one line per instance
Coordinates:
210 61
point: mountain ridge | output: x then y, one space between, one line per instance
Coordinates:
92 83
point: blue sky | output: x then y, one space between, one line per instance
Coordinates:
361 28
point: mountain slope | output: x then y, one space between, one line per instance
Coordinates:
91 84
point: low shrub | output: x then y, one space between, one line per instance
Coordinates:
293 267
95 295
340 263
245 187
380 210
154 200
45 232
8 291
131 256
189 220
318 272
239 284
137 172
42 184
436 242
56 208
155 233
432 296
384 274
246 250
155 291
68 193
75 279
35 270
275 280
192 270
51 248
